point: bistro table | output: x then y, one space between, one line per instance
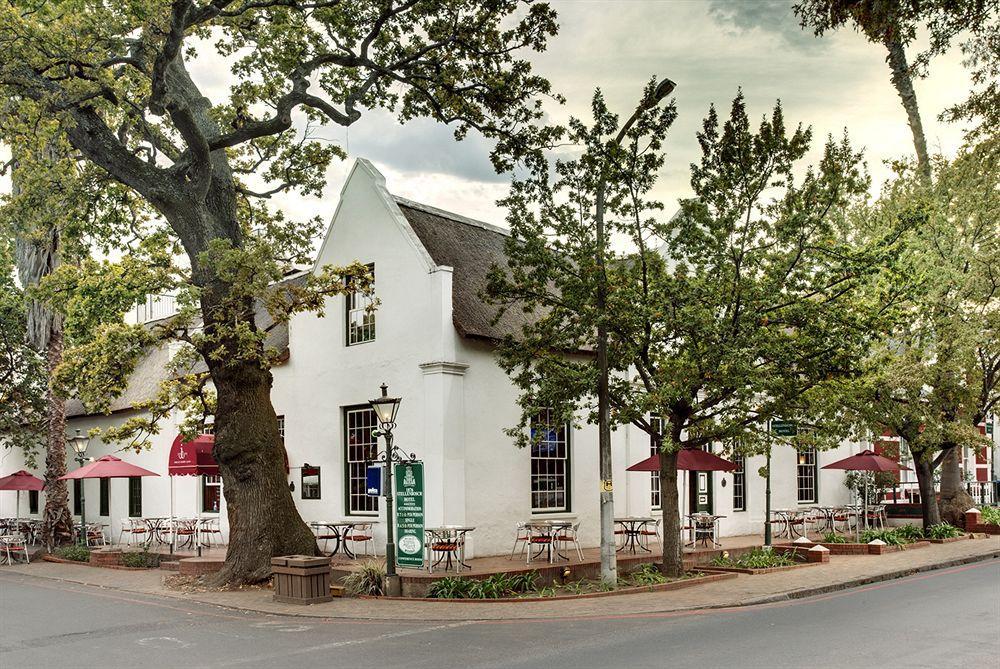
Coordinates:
632 528
546 531
789 518
158 527
340 530
447 541
705 527
826 518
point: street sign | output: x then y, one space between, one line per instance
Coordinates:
373 480
408 481
784 428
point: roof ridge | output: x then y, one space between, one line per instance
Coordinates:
458 218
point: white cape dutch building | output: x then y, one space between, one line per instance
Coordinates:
431 340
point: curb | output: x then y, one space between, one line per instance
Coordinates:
769 599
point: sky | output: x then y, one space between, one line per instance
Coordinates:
710 48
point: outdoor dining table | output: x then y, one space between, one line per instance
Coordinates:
827 518
705 527
789 519
450 540
632 528
548 530
340 530
158 527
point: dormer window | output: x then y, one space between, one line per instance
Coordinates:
360 315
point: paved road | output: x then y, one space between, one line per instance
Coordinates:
948 618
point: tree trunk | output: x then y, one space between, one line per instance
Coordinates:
673 564
57 522
263 520
924 469
903 82
955 500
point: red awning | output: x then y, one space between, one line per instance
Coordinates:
108 467
21 480
192 458
866 461
688 459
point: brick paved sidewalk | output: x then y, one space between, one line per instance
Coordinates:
840 572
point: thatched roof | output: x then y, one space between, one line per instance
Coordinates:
471 248
153 368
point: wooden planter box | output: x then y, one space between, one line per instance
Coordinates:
301 579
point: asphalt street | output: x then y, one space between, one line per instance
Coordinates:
946 618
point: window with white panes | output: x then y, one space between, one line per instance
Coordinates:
361 449
806 475
656 422
360 314
211 494
739 483
549 463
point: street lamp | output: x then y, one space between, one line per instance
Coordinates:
609 566
79 443
385 409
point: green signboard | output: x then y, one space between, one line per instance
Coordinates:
408 481
784 428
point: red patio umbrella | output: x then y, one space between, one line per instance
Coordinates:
107 467
688 459
866 461
20 480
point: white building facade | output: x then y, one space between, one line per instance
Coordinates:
431 340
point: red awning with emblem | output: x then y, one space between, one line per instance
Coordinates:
193 458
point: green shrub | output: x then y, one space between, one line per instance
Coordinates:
910 532
942 531
990 515
496 586
645 574
758 558
834 538
75 553
140 559
891 537
368 580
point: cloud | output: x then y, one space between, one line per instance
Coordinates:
767 16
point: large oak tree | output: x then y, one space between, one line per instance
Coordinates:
121 82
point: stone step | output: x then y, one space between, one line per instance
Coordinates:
337 590
170 565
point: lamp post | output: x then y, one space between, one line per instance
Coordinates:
79 443
609 566
385 409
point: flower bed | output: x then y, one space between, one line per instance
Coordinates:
658 587
863 549
761 570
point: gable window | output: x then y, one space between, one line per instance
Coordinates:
211 494
656 422
549 463
806 474
310 482
105 497
361 315
77 496
32 501
739 483
360 450
135 497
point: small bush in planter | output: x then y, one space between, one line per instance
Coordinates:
942 531
890 537
75 553
758 558
990 515
368 580
834 538
910 532
141 559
